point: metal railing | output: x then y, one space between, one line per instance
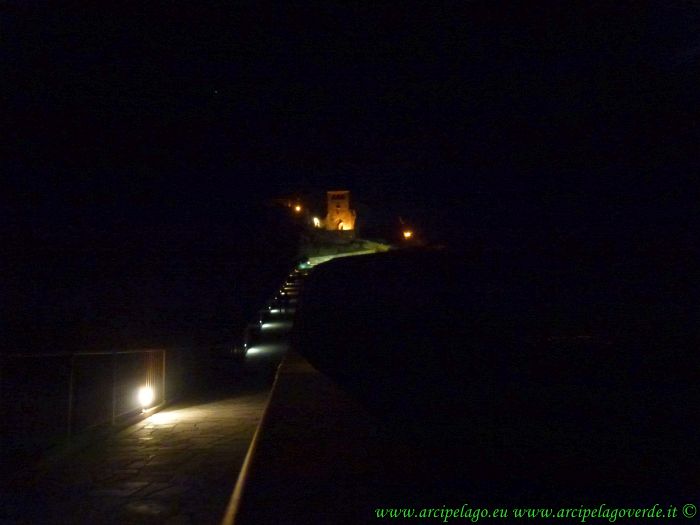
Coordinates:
48 397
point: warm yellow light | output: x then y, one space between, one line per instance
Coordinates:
163 418
407 234
297 208
146 396
317 222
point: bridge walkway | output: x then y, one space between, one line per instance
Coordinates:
177 466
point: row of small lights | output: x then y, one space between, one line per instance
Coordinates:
146 394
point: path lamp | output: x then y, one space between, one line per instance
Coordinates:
146 397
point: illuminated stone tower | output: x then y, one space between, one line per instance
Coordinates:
339 216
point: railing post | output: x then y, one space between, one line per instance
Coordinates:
71 381
2 390
114 387
163 386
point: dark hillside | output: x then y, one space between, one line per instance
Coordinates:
547 375
165 285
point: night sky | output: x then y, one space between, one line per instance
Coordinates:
132 125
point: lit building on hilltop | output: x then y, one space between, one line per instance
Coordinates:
339 217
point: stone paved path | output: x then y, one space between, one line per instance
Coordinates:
178 466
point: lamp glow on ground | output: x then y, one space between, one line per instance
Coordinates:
164 418
265 351
277 325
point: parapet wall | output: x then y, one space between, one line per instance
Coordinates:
313 444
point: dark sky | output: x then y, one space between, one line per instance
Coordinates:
129 118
